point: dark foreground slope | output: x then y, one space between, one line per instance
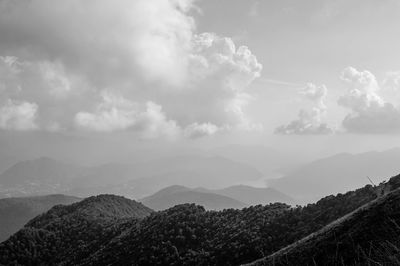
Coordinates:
66 234
16 212
104 231
189 235
368 236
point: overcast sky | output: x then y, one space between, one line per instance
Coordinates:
316 76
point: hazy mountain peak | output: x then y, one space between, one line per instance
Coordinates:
38 176
338 173
176 195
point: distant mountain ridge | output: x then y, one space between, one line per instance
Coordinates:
337 174
268 160
236 197
39 176
175 195
47 176
253 195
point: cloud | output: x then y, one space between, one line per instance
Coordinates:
57 93
309 122
153 123
116 113
63 56
316 94
146 37
113 113
44 78
392 81
370 112
363 92
220 74
196 130
16 115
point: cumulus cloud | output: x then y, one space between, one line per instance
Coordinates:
113 113
370 112
64 55
220 73
392 80
196 130
18 115
118 38
58 93
117 113
309 122
363 92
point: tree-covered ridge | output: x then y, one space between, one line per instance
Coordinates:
229 237
16 212
368 236
102 232
69 233
188 235
92 208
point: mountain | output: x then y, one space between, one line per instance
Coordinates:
236 197
106 230
72 232
189 235
108 175
16 212
48 176
267 160
368 236
141 180
35 177
337 174
175 195
6 162
253 195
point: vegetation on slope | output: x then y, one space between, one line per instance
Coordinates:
16 212
104 231
369 236
66 234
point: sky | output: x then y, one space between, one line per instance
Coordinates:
82 79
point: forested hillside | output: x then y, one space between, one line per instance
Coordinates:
66 234
369 236
16 212
110 230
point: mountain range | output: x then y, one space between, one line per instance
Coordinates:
37 177
331 175
354 228
236 197
252 195
269 161
175 195
48 176
338 174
